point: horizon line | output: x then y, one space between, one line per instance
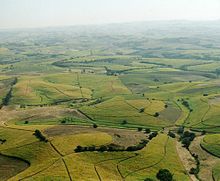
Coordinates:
105 24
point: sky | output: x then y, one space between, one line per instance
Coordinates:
46 13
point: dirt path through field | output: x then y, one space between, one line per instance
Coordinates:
186 159
207 161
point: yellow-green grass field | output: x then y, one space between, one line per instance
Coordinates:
211 144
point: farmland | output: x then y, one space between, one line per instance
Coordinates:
102 104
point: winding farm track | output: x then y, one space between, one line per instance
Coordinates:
103 161
43 169
152 165
119 171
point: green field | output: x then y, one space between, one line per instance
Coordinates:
109 105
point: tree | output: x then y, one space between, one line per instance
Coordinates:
180 130
171 134
40 136
164 175
156 114
140 129
95 125
147 130
141 110
78 149
152 135
124 122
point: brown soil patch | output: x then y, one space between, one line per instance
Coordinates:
207 161
120 136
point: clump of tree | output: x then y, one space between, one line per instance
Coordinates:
22 106
139 129
6 99
111 147
2 141
164 175
95 125
171 134
156 114
193 170
180 130
141 110
137 147
97 101
186 104
152 135
186 138
124 122
147 130
67 120
40 136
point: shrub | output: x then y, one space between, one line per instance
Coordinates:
164 175
22 106
141 110
124 122
79 149
152 135
187 138
103 148
26 122
180 130
156 114
171 134
40 136
147 130
140 129
95 125
194 171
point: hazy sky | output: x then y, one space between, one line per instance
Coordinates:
40 13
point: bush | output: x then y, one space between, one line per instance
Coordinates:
95 126
26 122
171 134
194 171
140 129
156 114
22 106
147 130
141 110
180 130
124 122
79 149
152 135
40 136
103 148
2 141
187 138
164 175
